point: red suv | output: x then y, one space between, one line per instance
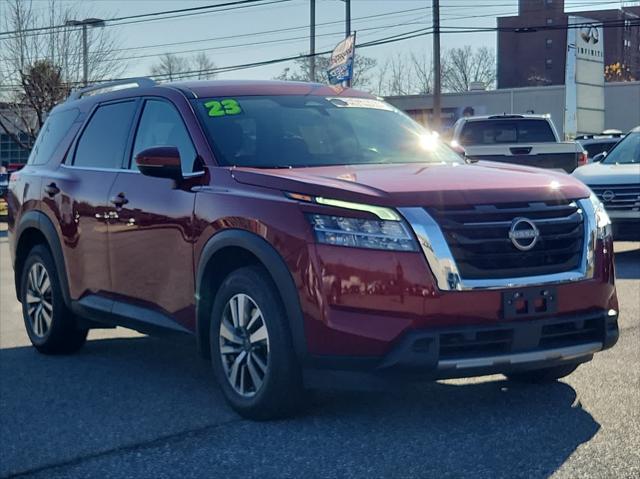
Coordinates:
303 234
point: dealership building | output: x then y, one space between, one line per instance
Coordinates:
538 57
622 104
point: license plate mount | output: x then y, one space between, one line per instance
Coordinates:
529 302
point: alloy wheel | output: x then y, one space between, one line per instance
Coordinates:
39 300
244 345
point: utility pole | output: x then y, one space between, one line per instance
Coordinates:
87 22
85 55
437 74
312 41
347 18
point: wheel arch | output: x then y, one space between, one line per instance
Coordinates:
36 228
232 249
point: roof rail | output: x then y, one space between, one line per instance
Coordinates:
138 82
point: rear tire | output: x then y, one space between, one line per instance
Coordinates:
51 327
251 348
545 375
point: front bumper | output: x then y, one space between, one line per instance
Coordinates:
626 229
467 351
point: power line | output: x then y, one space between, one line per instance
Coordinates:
400 13
397 38
170 14
387 40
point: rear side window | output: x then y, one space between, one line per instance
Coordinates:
594 149
490 132
104 140
50 136
162 125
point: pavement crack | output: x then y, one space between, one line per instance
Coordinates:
124 448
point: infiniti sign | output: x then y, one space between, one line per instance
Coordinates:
590 34
523 234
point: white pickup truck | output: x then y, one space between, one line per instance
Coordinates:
530 140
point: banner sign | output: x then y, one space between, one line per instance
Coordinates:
584 79
341 61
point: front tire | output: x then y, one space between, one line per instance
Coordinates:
50 325
545 375
251 349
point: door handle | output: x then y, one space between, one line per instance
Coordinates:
51 189
119 200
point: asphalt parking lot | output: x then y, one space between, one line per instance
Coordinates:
133 406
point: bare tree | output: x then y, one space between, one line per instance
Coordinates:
203 65
464 66
42 90
423 71
37 67
170 66
362 70
396 77
60 45
174 67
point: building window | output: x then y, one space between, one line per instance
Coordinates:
548 3
548 63
549 43
12 152
549 21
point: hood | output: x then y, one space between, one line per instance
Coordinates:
420 184
608 174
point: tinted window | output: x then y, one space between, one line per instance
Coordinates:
299 131
161 125
488 132
50 136
103 141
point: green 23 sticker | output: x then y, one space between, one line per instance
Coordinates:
228 106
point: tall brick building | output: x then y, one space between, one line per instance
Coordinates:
538 58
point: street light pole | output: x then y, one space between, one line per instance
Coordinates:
312 41
437 89
87 22
347 18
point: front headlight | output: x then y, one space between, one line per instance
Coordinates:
362 233
603 222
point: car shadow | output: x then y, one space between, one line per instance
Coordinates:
628 264
118 393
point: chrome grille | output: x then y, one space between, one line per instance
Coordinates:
619 197
478 237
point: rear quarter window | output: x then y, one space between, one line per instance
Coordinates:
491 132
51 134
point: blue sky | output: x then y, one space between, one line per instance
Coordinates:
141 40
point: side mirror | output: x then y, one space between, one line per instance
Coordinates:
599 157
458 148
160 161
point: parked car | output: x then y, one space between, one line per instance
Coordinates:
530 140
596 144
615 178
304 236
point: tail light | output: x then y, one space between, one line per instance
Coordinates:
583 158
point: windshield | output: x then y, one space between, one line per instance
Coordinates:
301 131
627 151
489 132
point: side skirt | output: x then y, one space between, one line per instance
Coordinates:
96 311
